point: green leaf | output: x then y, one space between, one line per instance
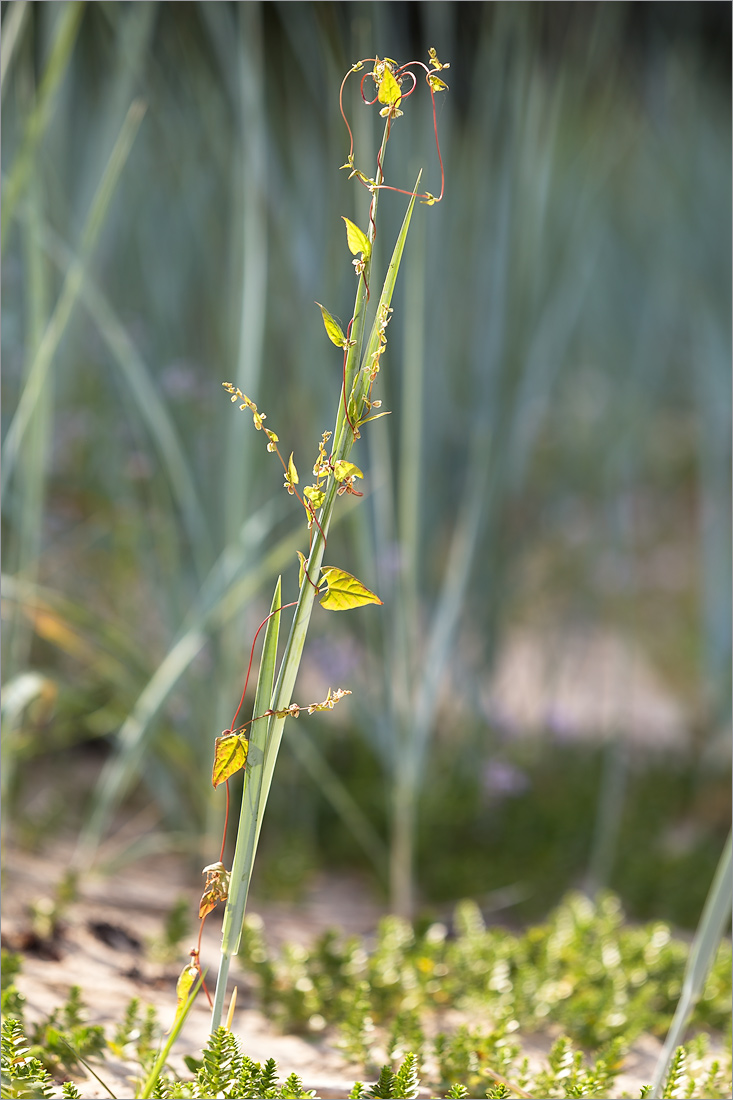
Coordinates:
436 83
182 1012
292 472
333 328
376 416
230 754
344 591
356 240
343 469
184 985
301 570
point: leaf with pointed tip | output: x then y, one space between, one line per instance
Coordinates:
437 84
376 416
184 985
356 239
384 302
301 569
230 755
333 328
343 469
208 903
344 591
292 472
389 89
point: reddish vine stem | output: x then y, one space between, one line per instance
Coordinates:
251 657
343 371
236 713
195 954
308 507
399 73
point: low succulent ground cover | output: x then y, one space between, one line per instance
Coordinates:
446 1006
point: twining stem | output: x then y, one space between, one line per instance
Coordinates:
353 357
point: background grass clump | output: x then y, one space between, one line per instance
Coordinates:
556 461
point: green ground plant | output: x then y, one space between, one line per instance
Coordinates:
510 979
585 970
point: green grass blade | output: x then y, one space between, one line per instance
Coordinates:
152 409
25 537
225 596
412 424
70 290
250 186
12 30
385 298
312 760
69 18
136 731
132 741
290 664
251 811
174 1033
353 356
343 444
87 1067
713 921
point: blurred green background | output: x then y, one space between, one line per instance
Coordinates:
543 699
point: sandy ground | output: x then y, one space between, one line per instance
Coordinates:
102 947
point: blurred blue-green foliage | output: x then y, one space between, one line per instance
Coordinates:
557 458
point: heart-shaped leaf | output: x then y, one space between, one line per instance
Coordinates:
344 591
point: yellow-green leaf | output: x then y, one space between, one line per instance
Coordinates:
230 754
389 89
189 974
356 240
301 570
315 495
436 83
333 328
292 472
375 417
344 591
343 469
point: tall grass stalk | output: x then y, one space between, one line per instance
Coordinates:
68 18
12 33
713 922
70 291
357 357
252 808
509 371
361 355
